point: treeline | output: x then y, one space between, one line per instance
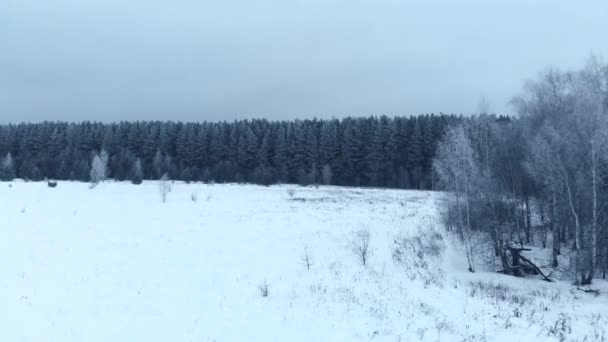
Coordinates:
374 151
541 179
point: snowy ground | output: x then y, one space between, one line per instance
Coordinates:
114 263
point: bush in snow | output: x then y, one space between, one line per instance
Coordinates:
414 254
507 294
194 196
291 192
561 328
264 289
361 246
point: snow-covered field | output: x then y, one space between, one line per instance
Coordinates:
114 263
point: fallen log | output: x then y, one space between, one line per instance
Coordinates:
520 265
531 264
586 289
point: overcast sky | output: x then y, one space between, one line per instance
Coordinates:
200 60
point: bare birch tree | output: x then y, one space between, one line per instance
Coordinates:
456 168
164 187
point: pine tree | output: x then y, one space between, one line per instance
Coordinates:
247 151
354 153
202 148
414 154
281 155
301 158
157 165
264 151
134 141
329 146
326 174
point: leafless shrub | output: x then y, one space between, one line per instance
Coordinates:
599 333
414 253
474 338
291 192
421 332
504 293
516 313
194 196
499 292
442 324
561 328
361 246
264 289
306 259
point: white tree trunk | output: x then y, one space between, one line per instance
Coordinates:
577 238
594 228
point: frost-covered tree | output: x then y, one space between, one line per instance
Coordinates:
137 173
164 187
7 168
456 167
105 158
566 115
99 166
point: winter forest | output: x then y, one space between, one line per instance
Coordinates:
540 179
375 151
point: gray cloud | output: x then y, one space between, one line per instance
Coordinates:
201 60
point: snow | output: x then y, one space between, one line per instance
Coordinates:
114 263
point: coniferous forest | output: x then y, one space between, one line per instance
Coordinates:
374 151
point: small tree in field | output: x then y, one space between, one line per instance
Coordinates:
361 246
164 187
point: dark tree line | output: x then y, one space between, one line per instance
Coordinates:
374 151
540 179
